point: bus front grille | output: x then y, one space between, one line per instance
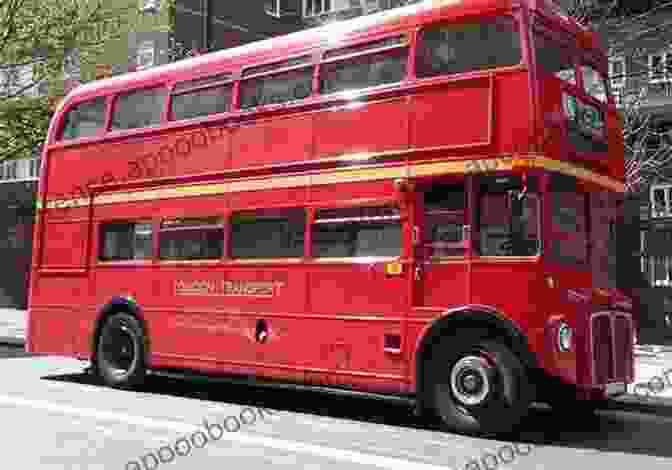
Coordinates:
611 347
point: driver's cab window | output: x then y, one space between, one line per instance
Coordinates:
444 207
508 217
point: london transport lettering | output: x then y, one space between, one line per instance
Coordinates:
223 287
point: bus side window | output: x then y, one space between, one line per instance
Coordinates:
268 233
84 120
212 100
457 48
121 241
364 71
357 232
191 239
445 206
141 108
275 89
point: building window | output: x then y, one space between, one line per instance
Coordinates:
660 67
125 241
191 239
660 201
149 6
617 72
322 7
145 55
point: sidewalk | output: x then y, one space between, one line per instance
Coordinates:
13 326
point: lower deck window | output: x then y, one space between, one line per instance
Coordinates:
509 217
268 234
126 241
357 232
191 239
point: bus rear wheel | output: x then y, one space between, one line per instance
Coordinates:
120 357
478 386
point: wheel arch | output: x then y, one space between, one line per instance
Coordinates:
118 304
471 316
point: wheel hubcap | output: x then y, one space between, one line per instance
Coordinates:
470 380
119 349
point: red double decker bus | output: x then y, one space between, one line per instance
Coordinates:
417 202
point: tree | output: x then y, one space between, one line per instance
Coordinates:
38 39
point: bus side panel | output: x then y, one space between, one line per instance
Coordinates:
58 318
278 140
457 113
65 243
367 127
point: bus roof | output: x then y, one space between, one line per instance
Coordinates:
298 42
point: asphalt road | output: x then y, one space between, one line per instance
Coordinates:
57 418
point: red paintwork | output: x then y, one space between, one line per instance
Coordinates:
329 322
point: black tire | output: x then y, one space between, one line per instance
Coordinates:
120 355
473 364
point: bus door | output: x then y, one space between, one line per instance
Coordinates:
441 236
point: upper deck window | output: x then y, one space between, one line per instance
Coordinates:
85 119
141 108
277 88
364 71
457 48
553 59
201 102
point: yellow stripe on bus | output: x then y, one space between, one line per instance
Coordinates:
351 174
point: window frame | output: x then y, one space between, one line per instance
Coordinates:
241 79
378 204
100 259
323 11
622 80
114 99
271 213
665 74
148 45
551 233
516 21
101 130
222 226
358 54
231 82
667 212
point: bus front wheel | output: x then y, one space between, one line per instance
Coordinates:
478 386
120 358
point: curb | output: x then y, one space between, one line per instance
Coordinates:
12 341
653 405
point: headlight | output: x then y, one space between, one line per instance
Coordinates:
569 103
586 116
564 337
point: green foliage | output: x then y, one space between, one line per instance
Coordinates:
37 36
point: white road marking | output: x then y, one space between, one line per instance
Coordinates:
181 427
